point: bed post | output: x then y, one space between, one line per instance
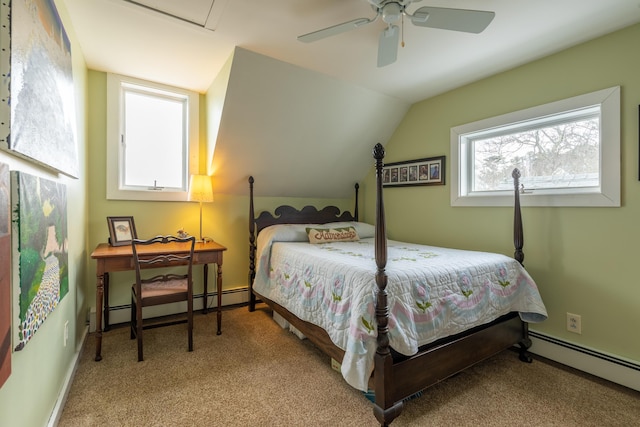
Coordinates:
252 247
385 409
518 242
355 210
518 238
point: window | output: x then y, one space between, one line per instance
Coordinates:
568 153
152 140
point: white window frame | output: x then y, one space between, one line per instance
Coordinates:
115 188
606 195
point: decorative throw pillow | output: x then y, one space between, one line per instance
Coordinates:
328 235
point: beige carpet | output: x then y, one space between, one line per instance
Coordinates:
256 374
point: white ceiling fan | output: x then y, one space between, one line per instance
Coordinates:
470 21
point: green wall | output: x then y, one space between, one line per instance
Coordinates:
38 371
583 259
226 220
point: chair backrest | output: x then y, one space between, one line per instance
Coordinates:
163 251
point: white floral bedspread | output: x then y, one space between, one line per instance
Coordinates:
432 292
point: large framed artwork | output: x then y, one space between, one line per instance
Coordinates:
38 86
5 274
40 255
5 65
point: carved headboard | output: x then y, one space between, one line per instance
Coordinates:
289 215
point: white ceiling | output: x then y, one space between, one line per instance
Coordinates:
118 36
315 110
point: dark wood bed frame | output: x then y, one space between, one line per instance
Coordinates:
397 378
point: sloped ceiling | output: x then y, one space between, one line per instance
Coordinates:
298 132
121 37
309 131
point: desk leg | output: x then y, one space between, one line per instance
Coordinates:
106 302
206 289
219 286
99 298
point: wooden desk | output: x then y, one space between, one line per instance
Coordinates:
120 258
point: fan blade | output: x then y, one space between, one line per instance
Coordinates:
388 46
469 21
336 29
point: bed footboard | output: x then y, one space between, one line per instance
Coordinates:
396 381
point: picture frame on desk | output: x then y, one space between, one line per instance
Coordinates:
122 230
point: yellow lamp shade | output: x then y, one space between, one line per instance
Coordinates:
200 188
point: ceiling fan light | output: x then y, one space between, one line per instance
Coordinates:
391 12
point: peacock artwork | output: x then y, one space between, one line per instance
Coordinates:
40 257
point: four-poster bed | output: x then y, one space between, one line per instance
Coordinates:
388 342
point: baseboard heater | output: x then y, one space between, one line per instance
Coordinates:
610 367
122 313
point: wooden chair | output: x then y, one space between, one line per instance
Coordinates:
163 288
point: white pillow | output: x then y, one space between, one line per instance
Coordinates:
298 232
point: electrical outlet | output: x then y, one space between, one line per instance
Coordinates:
574 323
66 332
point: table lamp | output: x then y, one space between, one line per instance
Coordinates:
200 190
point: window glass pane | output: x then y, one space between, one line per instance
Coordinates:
551 154
152 139
567 153
154 136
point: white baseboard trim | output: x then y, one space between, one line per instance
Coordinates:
68 380
611 368
122 314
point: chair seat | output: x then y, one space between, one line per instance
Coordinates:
163 288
